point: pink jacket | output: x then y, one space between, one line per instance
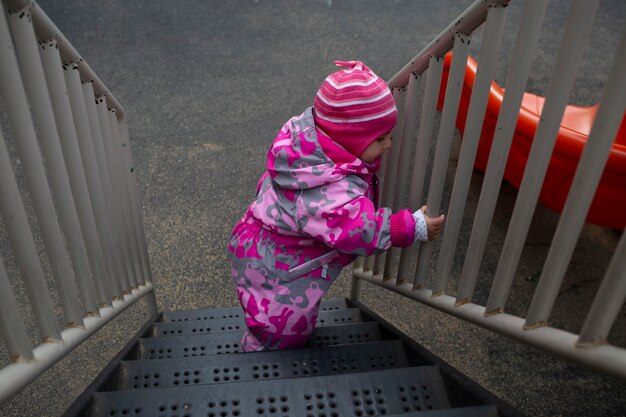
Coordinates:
316 205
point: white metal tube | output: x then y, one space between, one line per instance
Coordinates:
128 279
567 61
134 197
103 169
609 300
467 22
590 167
422 152
49 142
355 288
390 170
124 173
444 145
19 233
519 68
358 262
16 376
469 144
406 145
12 89
76 173
12 330
104 287
606 359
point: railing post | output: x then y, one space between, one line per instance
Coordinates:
444 145
568 58
584 185
67 134
134 197
12 89
390 171
20 235
116 192
519 68
122 180
422 152
405 145
469 144
104 288
89 101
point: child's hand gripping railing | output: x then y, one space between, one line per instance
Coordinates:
69 132
590 347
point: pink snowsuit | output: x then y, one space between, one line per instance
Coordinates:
314 213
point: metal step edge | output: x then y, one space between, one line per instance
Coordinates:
474 411
374 393
221 343
463 390
295 363
233 312
169 329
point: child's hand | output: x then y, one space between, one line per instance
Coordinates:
433 224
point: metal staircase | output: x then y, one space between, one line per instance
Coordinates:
185 364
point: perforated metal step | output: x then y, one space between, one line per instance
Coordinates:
209 344
295 363
478 411
375 393
233 312
209 326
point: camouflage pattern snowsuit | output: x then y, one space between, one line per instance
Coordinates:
315 211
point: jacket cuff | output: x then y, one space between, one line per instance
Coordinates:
402 228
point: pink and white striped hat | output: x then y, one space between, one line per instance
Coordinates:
354 107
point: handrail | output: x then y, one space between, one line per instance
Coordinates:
45 30
71 138
467 22
591 347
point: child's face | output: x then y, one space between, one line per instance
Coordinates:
376 148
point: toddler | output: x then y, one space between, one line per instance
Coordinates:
316 209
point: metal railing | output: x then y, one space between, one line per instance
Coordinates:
73 150
590 347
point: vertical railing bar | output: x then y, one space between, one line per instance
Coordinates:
609 299
133 205
469 144
18 229
53 69
15 93
89 101
570 53
390 171
116 147
590 167
422 151
444 145
521 60
358 263
134 196
406 146
127 280
104 286
355 282
12 329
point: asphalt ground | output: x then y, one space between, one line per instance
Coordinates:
206 85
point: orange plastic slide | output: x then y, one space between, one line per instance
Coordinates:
608 208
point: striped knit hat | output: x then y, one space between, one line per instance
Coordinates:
354 107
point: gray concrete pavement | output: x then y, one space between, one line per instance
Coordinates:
207 84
